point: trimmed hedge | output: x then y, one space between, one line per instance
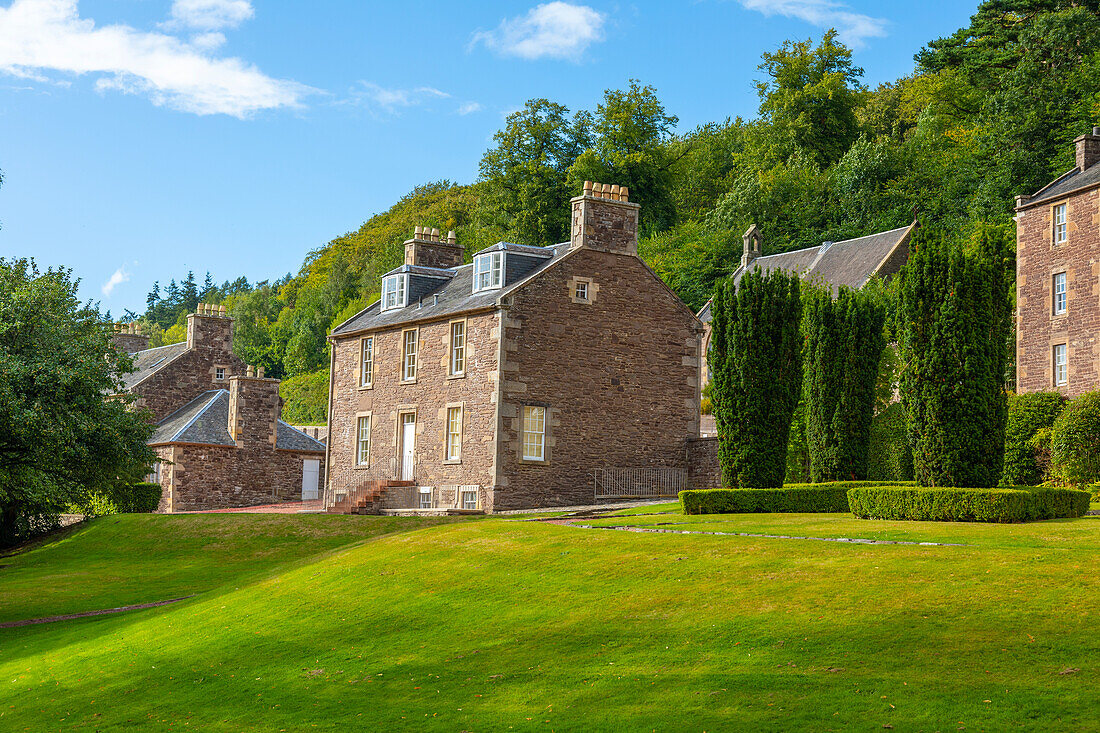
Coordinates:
792 499
140 498
1075 441
966 505
1026 457
889 457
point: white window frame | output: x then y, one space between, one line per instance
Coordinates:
456 364
409 357
534 433
1061 227
488 271
362 442
1060 297
219 373
1061 365
422 492
464 498
582 291
395 291
366 361
452 439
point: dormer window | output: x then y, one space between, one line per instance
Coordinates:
488 271
394 290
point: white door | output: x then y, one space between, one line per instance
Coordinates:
408 445
311 472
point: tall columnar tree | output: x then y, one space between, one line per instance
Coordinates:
756 354
953 323
843 347
60 438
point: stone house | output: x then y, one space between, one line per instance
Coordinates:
1058 279
510 382
850 263
218 432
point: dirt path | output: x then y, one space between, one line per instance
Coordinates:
104 612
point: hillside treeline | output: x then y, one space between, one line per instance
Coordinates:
988 113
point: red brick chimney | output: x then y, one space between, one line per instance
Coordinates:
604 219
129 338
254 408
1088 149
428 250
210 327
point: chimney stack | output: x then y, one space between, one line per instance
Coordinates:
1088 149
127 337
604 219
254 408
428 249
754 245
209 326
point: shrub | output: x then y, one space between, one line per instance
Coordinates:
756 354
953 327
1027 438
794 499
140 498
844 341
966 504
1075 441
888 455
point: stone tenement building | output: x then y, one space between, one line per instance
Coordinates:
509 382
219 436
1058 279
850 263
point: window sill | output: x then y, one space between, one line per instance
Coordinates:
408 381
359 467
452 462
365 387
460 375
533 461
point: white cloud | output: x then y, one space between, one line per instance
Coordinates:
854 28
555 30
469 108
41 36
211 15
120 276
378 98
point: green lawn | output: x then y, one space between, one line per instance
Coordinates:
509 625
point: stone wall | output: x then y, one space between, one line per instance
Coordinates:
604 223
1037 261
216 477
703 469
619 377
129 342
428 397
194 371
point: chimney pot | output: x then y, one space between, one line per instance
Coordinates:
451 238
260 372
435 235
416 232
250 372
614 192
624 194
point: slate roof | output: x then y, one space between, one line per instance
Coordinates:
850 263
453 297
150 360
422 271
1070 181
205 420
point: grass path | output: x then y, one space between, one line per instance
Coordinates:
506 625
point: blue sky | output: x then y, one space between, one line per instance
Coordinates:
143 138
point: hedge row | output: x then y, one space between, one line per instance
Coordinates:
791 499
140 498
966 505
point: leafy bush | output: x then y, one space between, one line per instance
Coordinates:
888 455
305 398
793 499
1027 439
140 498
1075 441
966 504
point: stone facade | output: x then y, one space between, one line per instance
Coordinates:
1040 259
128 339
209 347
219 437
592 337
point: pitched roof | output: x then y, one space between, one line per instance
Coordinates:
205 420
453 297
1070 181
850 263
150 361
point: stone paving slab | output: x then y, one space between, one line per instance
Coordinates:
849 540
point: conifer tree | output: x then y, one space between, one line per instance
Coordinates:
844 342
953 323
756 353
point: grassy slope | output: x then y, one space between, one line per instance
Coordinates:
138 558
499 624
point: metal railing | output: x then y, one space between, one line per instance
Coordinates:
638 483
